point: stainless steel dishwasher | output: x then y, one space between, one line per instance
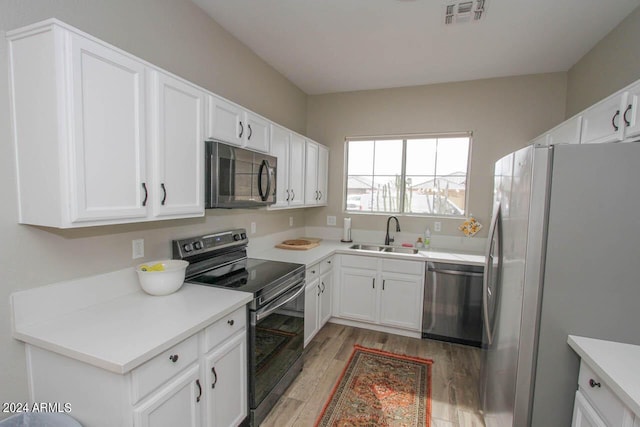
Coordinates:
452 309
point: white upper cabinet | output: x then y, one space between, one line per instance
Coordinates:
106 134
296 170
323 174
101 137
258 132
225 121
316 174
289 148
311 194
604 121
566 133
234 125
177 129
631 116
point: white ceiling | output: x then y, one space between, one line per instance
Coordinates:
326 46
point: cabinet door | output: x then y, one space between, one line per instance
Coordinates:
604 122
257 133
280 138
584 415
108 123
311 298
297 170
176 404
324 309
225 121
631 116
401 301
177 147
567 133
226 383
356 297
311 194
323 174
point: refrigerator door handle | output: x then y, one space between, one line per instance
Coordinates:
488 275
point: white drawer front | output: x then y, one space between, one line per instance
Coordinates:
225 327
312 273
610 408
365 262
406 267
326 265
148 376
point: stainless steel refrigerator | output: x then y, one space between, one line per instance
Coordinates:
563 258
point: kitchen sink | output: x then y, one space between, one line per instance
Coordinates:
366 247
400 250
382 248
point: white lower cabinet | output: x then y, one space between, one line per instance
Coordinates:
385 292
584 415
201 381
226 383
176 404
597 405
317 297
401 300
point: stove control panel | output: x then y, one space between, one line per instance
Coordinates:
198 245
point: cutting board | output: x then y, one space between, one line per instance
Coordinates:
301 244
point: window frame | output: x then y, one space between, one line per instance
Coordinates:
404 138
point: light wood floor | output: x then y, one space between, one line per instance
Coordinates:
454 379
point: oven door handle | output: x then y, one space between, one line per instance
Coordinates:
273 306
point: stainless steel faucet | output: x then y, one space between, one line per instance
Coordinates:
387 239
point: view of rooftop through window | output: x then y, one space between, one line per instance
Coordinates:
423 175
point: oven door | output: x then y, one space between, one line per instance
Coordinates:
276 342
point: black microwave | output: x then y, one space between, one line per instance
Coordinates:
238 178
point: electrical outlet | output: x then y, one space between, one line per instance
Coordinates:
331 220
290 221
437 226
253 228
138 248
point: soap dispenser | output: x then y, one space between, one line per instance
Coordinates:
427 238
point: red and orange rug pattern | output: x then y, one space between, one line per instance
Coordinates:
379 388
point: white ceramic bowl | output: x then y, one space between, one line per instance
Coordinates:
162 282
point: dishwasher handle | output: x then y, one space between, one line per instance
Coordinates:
455 272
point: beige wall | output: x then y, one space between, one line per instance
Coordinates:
612 64
503 114
179 37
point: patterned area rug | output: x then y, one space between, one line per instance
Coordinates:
378 388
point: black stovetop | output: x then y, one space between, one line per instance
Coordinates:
247 275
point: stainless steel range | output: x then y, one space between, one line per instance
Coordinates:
276 332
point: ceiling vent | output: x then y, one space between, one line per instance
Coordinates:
464 11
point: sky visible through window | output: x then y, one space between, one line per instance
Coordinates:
425 175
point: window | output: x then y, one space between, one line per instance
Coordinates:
422 175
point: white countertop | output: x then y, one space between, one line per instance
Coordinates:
329 247
615 363
119 331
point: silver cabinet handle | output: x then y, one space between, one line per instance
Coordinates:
287 195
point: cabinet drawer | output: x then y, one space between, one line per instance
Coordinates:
406 267
326 265
312 273
369 263
148 376
225 327
610 408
